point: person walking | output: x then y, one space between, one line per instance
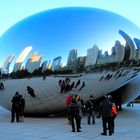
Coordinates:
15 107
91 110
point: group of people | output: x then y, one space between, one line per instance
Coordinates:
67 85
18 105
107 110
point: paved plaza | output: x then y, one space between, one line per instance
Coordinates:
56 128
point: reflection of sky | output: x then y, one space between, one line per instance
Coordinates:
54 33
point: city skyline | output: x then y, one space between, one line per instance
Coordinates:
94 56
56 39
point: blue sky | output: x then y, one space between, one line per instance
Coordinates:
12 11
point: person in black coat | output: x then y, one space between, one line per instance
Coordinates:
15 107
106 113
22 106
74 113
91 108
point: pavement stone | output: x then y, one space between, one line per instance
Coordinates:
57 128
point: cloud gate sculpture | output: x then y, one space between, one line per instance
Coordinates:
65 51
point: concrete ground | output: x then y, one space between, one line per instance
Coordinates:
56 128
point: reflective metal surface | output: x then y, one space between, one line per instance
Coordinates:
56 32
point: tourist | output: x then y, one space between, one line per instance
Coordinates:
15 107
91 108
106 113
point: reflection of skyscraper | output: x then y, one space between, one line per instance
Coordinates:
92 56
72 58
33 62
119 52
6 64
137 42
129 47
56 63
44 66
137 58
20 59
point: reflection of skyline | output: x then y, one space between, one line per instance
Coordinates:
64 34
120 53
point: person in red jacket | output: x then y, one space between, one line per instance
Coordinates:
68 101
114 114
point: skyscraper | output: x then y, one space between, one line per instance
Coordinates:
56 63
92 56
20 59
6 64
72 58
44 66
33 62
119 52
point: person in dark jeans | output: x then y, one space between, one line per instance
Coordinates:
74 113
106 113
15 107
90 109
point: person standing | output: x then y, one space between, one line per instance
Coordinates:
79 101
22 106
106 113
68 102
114 115
15 107
74 113
91 109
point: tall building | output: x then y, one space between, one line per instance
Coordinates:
44 66
129 47
20 59
56 64
92 56
137 58
119 52
137 42
33 62
72 58
6 64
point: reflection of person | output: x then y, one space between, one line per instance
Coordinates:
15 107
83 85
30 91
1 86
78 83
106 113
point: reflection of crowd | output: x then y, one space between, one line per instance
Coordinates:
18 105
1 86
66 85
117 74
